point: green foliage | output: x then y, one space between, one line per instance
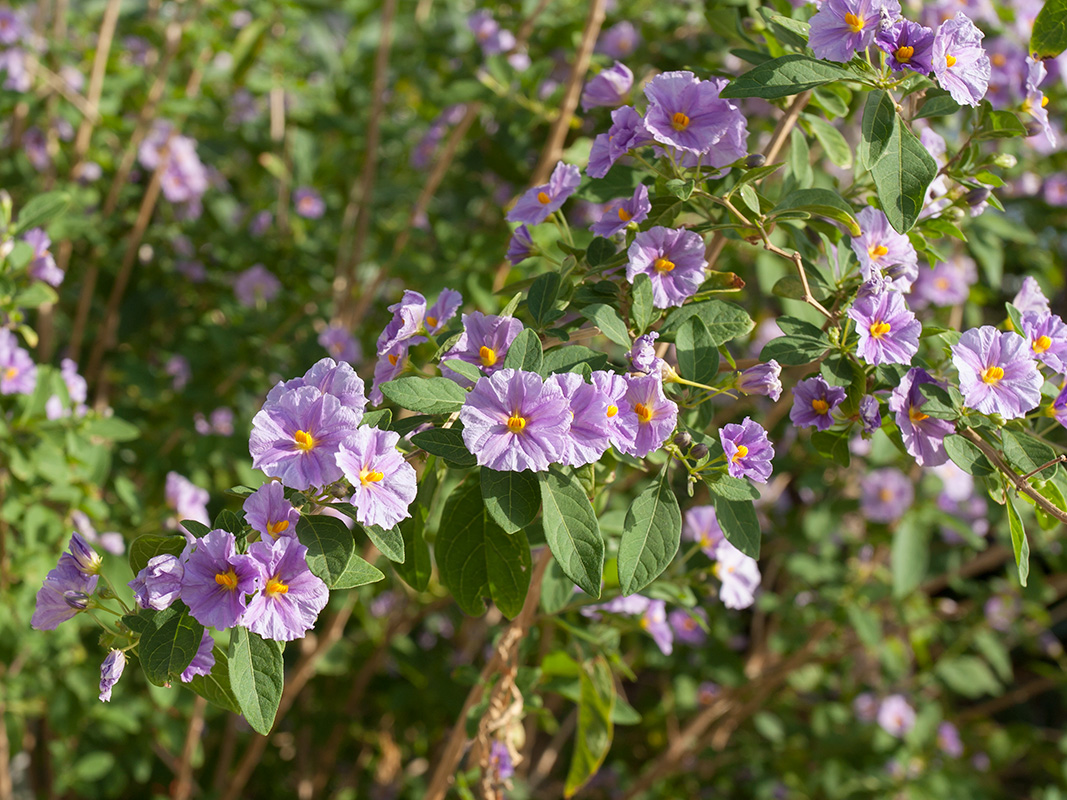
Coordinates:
256 678
571 529
650 536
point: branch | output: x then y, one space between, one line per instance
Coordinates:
1020 482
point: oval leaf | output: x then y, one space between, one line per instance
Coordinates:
257 677
571 529
650 536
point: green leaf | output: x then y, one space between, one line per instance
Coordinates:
682 189
511 498
477 559
41 210
557 590
969 676
1019 544
739 524
794 350
600 252
358 572
800 159
724 321
144 548
35 295
257 677
464 368
524 352
610 323
425 395
330 545
902 175
230 521
388 541
879 122
592 738
380 418
833 445
664 211
698 356
215 686
835 145
909 556
113 428
565 359
169 643
541 299
938 403
938 103
198 529
820 202
446 443
572 530
967 456
782 77
1049 37
730 488
651 534
416 569
642 310
1000 125
1026 453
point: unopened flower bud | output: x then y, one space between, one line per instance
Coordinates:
755 160
1005 160
79 601
87 559
699 451
683 440
762 379
954 213
976 196
1033 128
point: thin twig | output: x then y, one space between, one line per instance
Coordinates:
183 785
1057 460
1018 481
96 79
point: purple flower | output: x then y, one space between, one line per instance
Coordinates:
841 27
613 389
654 621
18 373
441 312
217 580
646 417
961 65
609 87
589 434
1048 339
268 512
674 261
627 132
159 584
870 414
621 213
619 40
1031 298
520 247
534 207
865 707
12 31
907 45
513 421
42 265
260 223
998 374
64 593
388 367
308 203
408 317
256 284
702 526
643 356
762 379
290 596
484 342
491 37
923 435
329 377
500 763
739 575
187 499
883 251
178 368
1035 101
110 672
947 284
685 112
383 481
686 625
748 450
340 344
895 716
203 661
885 494
889 333
1001 611
948 739
813 403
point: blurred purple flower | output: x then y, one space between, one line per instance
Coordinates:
537 203
608 88
895 716
308 203
621 213
885 494
256 284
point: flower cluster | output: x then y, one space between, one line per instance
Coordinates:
412 322
184 178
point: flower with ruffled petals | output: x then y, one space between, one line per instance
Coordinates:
42 264
441 312
888 331
613 388
1035 102
884 252
646 417
739 575
609 87
627 132
1048 339
159 584
841 27
336 378
998 374
748 450
290 597
64 593
18 373
643 356
217 580
268 512
589 434
961 65
762 379
621 213
814 401
534 207
673 259
885 494
1031 298
686 112
907 45
110 672
923 435
700 525
383 482
408 316
484 343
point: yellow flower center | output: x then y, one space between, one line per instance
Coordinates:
644 413
227 579
487 355
304 440
612 411
999 60
543 198
879 329
624 215
431 321
276 586
950 60
1041 344
992 375
663 265
680 121
392 359
742 451
855 23
516 423
904 53
885 495
11 373
941 283
1044 101
915 415
877 250
369 476
820 406
274 528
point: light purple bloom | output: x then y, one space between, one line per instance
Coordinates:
87 560
159 584
64 593
923 435
948 739
408 317
520 247
643 356
947 284
203 661
256 284
441 312
187 499
960 63
297 437
627 132
42 265
12 30
885 494
841 27
308 203
907 45
619 40
178 368
589 434
888 331
513 421
1001 611
1048 339
870 414
290 596
383 481
1035 101
613 389
702 526
537 203
1031 298
654 621
814 401
686 625
336 378
895 716
217 580
609 87
18 373
748 450
764 379
500 763
622 213
77 388
1059 407
493 39
110 672
388 367
646 417
340 344
674 261
865 707
268 512
998 374
685 112
739 575
883 251
484 342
